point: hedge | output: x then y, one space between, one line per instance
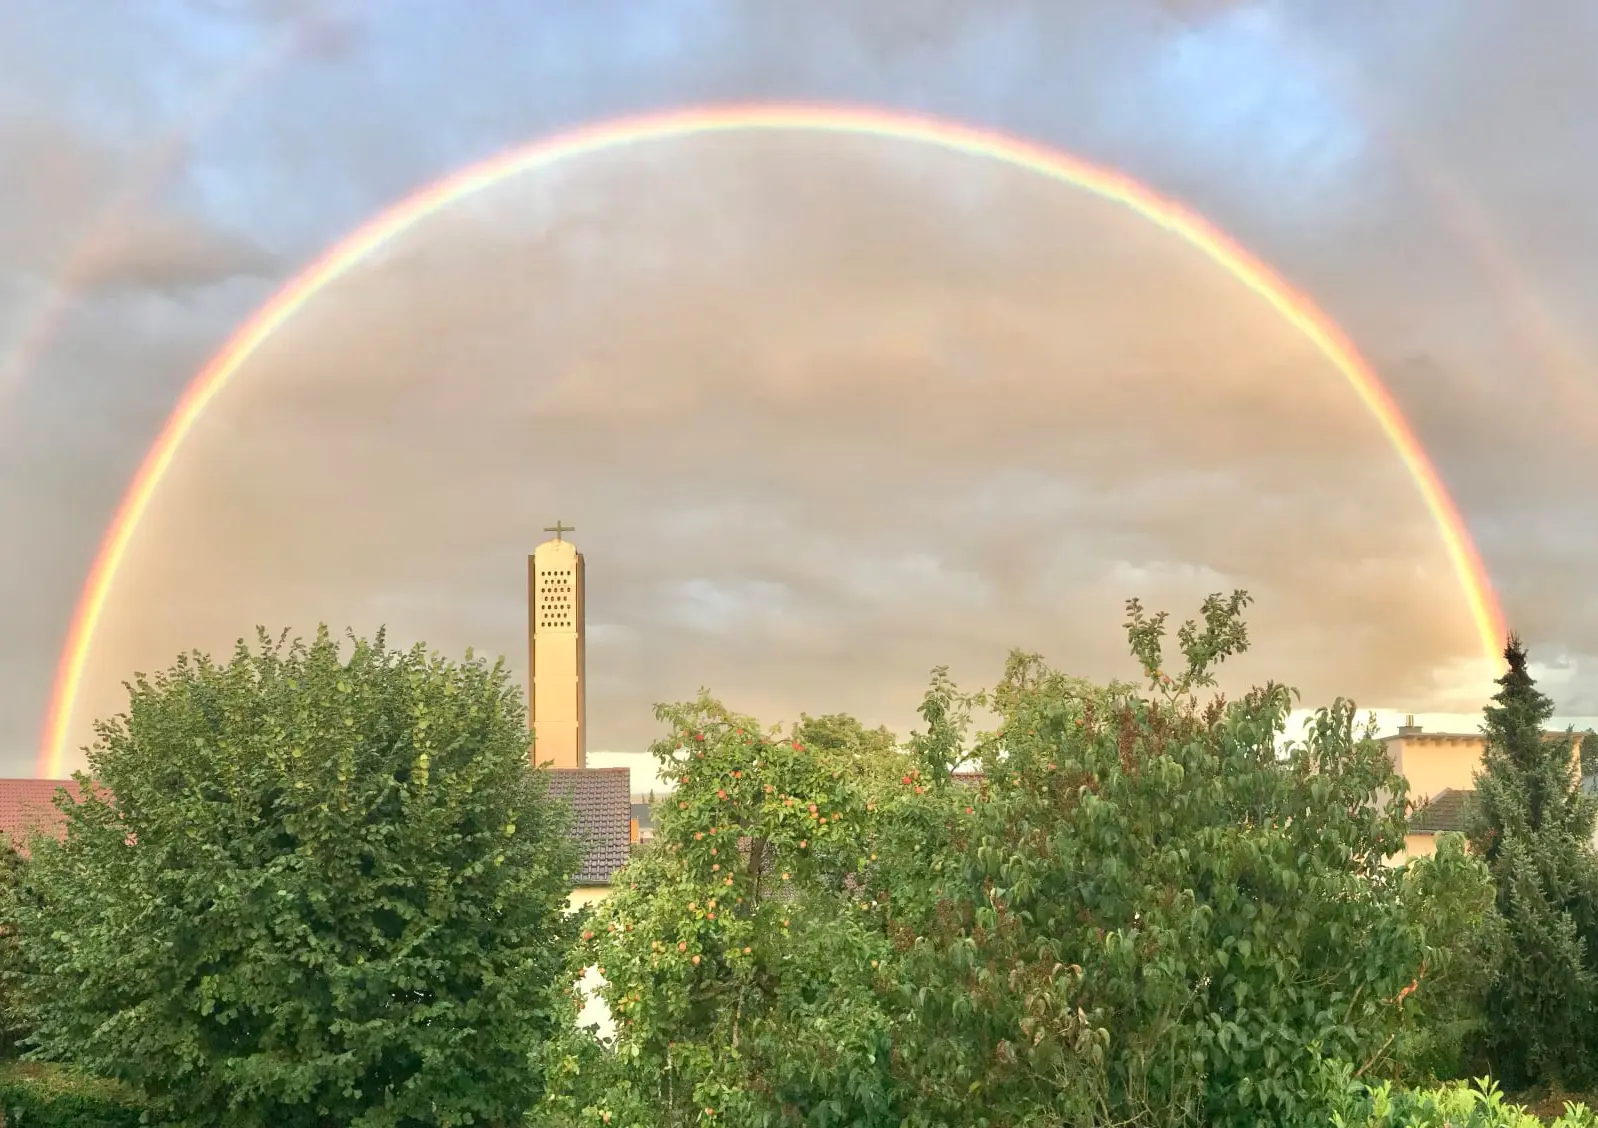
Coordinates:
1480 1106
44 1096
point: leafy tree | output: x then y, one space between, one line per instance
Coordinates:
326 892
1143 915
840 740
1534 826
1589 754
741 955
12 1026
1451 896
1155 917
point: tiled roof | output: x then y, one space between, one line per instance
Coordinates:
599 798
26 805
1448 810
1418 735
602 810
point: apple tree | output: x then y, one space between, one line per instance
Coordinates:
742 956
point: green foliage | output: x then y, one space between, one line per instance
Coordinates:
870 756
1533 824
34 1096
1145 914
1225 635
1157 918
1478 1105
13 1028
743 959
1450 897
1589 754
327 891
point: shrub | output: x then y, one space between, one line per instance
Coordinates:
38 1096
1479 1105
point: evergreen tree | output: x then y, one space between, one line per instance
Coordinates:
1534 826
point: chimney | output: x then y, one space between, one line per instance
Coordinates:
1409 727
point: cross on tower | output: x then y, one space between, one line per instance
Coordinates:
558 528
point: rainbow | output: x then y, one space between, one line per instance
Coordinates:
1297 309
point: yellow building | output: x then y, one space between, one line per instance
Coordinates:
556 657
557 713
1441 769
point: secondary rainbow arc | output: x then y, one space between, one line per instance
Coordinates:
1293 306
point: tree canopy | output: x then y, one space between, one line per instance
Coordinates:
317 890
1144 912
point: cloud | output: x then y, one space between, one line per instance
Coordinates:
168 255
324 30
872 408
64 225
836 441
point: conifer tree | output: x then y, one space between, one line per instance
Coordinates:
1534 826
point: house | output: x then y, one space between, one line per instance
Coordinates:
1441 770
599 799
643 819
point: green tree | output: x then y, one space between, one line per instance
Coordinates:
1533 824
1451 896
741 955
1589 754
13 1028
1145 914
841 740
327 891
1157 917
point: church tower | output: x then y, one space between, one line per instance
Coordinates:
555 636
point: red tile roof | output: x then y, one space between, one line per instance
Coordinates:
26 805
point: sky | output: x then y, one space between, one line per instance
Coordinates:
825 412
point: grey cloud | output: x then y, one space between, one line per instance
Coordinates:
52 182
807 464
326 30
168 255
64 224
873 409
